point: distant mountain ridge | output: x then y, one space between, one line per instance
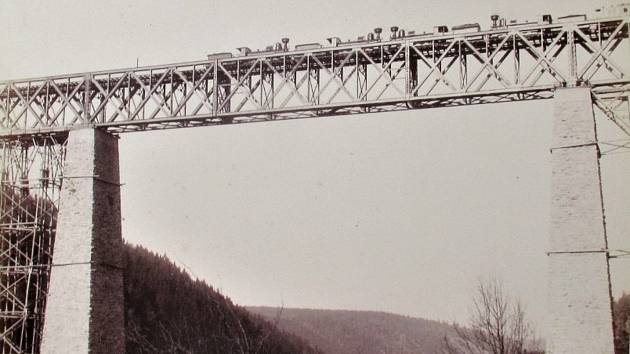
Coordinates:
359 332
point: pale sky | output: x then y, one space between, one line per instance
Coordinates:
398 212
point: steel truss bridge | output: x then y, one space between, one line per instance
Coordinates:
499 65
511 63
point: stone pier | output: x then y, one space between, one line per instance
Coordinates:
580 315
85 308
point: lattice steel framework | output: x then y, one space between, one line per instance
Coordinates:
422 71
513 63
29 196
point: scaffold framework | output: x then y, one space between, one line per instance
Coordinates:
29 197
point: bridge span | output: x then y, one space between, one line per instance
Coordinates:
507 63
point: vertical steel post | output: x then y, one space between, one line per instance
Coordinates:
573 71
223 86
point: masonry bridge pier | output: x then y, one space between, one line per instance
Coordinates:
60 225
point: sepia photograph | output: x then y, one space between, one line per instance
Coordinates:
314 177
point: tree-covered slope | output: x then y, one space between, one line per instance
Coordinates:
169 312
621 314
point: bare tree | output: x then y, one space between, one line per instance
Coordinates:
497 325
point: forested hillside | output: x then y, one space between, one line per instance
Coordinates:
621 312
354 332
168 312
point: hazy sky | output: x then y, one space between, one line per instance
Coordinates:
398 212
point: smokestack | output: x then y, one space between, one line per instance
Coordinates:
494 19
394 29
378 32
285 44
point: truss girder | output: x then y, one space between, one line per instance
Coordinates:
31 174
412 72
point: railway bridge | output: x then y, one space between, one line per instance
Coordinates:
60 223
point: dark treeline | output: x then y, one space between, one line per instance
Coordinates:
621 312
169 312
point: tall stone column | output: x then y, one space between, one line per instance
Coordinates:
580 314
85 307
